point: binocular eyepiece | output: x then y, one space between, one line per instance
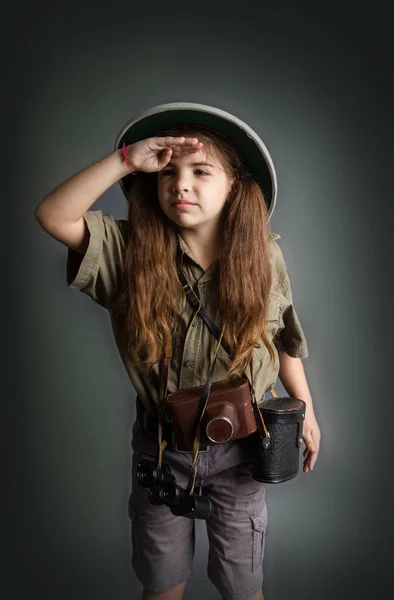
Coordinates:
164 490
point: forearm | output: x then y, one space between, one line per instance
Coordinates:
72 198
292 376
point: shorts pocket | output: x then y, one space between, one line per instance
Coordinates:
259 524
133 519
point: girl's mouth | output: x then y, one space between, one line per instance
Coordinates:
183 204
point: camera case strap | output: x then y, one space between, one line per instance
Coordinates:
230 406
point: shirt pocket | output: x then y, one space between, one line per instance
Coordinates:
272 323
266 373
273 315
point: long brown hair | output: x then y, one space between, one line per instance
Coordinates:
152 296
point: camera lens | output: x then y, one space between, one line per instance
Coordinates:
219 430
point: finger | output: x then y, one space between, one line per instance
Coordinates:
311 460
162 142
308 464
311 464
187 147
184 148
159 143
165 157
192 142
185 151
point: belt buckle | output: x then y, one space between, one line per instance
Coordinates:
174 444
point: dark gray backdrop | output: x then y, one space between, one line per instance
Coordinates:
315 84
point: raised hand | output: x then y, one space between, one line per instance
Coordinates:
153 154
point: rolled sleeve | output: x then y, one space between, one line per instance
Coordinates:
98 272
290 336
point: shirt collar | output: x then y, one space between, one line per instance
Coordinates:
212 271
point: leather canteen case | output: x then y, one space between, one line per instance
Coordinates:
228 415
284 419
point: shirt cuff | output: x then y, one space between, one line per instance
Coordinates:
81 267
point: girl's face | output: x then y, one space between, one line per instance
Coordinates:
192 189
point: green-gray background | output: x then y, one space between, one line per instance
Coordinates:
315 84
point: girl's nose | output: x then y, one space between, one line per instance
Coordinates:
180 188
180 184
180 181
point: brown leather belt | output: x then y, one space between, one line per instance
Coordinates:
149 423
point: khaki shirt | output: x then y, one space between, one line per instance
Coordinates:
98 274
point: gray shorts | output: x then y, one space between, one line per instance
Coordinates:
163 544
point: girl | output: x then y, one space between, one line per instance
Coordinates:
201 189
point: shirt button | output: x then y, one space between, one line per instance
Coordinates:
194 324
188 364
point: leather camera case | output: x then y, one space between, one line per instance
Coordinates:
228 415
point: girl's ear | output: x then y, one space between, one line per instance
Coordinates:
231 183
232 179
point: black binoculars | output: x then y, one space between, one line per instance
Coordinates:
164 490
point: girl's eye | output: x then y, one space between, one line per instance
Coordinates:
171 172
